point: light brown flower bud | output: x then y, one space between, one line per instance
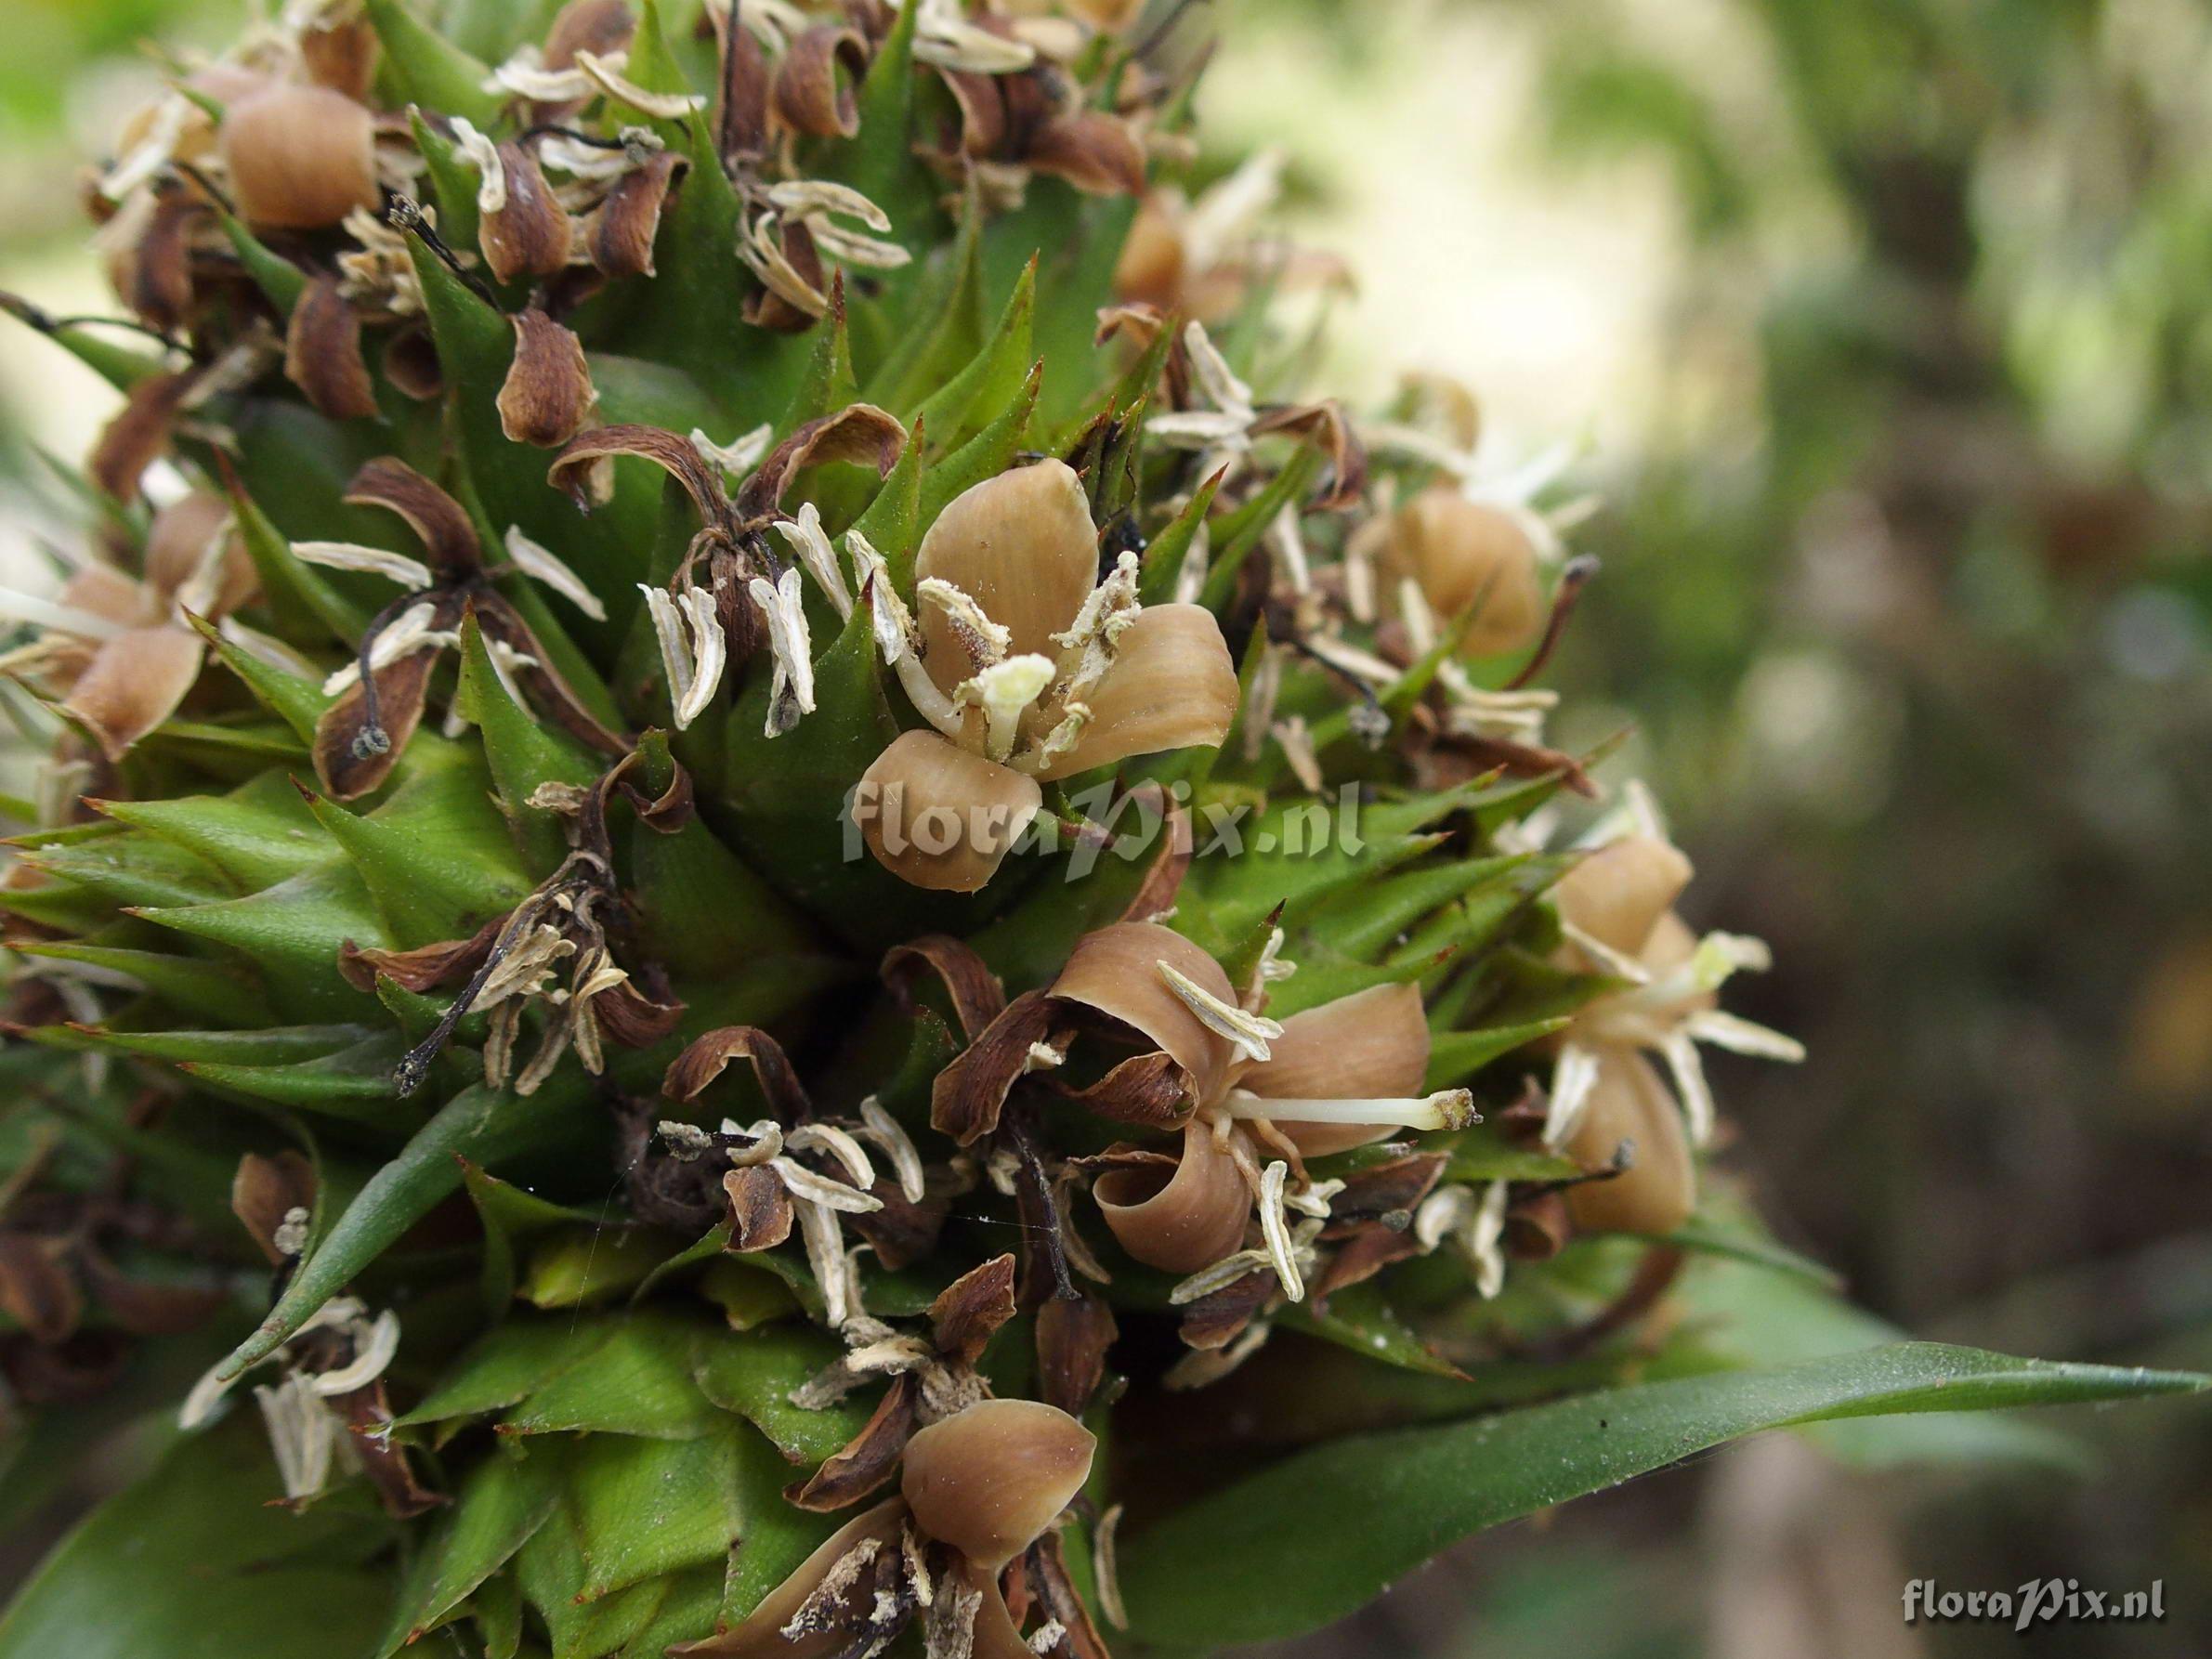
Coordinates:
1117 971
989 1479
1178 1220
1618 892
1371 1044
300 157
938 817
1459 552
548 390
177 543
1658 1189
226 84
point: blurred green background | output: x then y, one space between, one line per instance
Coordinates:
1887 326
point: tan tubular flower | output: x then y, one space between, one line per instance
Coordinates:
1631 1117
1617 909
1373 1042
983 1486
524 230
299 158
1340 1075
548 391
1462 552
119 649
1028 665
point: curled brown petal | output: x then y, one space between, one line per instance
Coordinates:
742 95
1092 150
970 1092
437 520
322 353
1538 1227
1218 1318
1072 1339
1115 971
1190 1218
970 1311
36 1290
634 1019
548 390
388 1464
760 1208
1171 685
1386 1193
935 815
1366 1251
411 364
982 111
266 1190
761 1635
867 1460
349 761
134 682
422 969
161 265
299 158
1630 1107
1324 423
1150 1089
138 434
571 469
1618 892
529 235
1155 897
989 1480
814 84
107 593
709 1056
1021 545
977 997
622 232
1373 1044
859 433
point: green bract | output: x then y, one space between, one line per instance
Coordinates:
511 988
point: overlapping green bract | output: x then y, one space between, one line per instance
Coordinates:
217 956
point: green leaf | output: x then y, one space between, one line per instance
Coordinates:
1161 566
993 377
637 1381
503 1502
753 1373
587 1264
1454 1056
259 834
1394 1500
298 703
303 603
292 932
985 455
777 1536
521 752
504 1365
645 1507
425 68
194 987
192 1563
480 1124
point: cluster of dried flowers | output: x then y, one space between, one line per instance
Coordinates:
1196 593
